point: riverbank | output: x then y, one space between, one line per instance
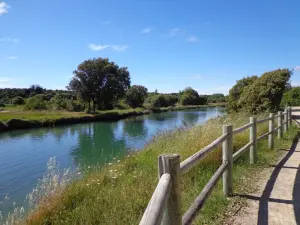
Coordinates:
105 196
36 119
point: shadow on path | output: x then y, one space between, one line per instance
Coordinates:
263 214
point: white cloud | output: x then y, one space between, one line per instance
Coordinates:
98 47
297 68
146 30
193 39
119 48
13 57
11 40
3 8
173 32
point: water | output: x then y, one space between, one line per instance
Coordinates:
25 153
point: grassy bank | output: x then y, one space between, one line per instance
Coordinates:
120 193
20 119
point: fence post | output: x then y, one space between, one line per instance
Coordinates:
285 120
253 134
271 130
227 157
290 116
171 164
280 125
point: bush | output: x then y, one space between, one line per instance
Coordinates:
59 102
261 94
191 97
136 95
158 101
36 102
18 101
171 99
291 97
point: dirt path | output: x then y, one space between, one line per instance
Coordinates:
277 200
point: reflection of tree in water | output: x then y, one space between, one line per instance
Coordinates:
97 145
163 116
190 118
59 132
135 127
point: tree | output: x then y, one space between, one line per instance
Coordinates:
36 89
237 90
136 96
18 101
189 96
100 81
260 94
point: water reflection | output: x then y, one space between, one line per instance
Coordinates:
97 145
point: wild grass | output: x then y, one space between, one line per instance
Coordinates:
119 193
46 115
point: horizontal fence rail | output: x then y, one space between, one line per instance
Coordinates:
165 204
200 200
190 162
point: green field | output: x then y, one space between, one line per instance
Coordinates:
119 193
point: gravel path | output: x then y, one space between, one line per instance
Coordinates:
277 200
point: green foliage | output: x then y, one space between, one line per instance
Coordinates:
158 101
237 90
136 96
18 101
191 97
37 102
291 97
253 94
216 98
60 102
100 81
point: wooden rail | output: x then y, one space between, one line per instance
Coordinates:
165 204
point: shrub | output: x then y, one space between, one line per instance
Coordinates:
191 97
158 101
291 97
171 99
136 95
254 95
59 102
18 101
36 102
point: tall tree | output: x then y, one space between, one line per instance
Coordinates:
100 81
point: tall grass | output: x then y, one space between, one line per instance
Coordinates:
119 193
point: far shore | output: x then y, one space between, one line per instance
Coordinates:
12 120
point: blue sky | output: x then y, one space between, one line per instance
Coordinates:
167 45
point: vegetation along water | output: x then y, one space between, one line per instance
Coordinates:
24 153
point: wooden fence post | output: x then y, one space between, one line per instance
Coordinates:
285 120
253 138
290 116
171 164
227 157
280 125
271 130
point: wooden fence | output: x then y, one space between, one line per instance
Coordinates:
165 204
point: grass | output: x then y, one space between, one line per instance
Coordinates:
119 193
45 115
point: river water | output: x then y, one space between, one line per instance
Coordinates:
24 153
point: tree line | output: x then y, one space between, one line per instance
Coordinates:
99 84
